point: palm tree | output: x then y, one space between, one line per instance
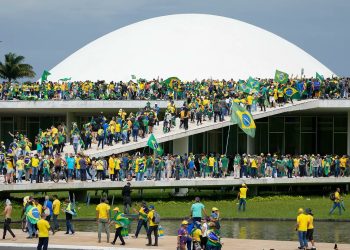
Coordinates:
14 68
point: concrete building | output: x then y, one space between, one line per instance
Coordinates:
193 46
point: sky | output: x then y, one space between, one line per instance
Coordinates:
48 31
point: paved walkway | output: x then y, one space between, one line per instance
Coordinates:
88 240
172 183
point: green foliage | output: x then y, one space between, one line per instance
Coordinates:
13 68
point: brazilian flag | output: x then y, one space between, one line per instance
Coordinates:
243 118
32 214
253 84
153 144
213 239
291 93
319 77
170 82
160 231
121 220
281 77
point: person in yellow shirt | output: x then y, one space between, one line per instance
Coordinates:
9 170
118 226
153 226
242 196
343 160
117 168
310 228
43 228
196 235
20 168
102 218
38 206
301 227
56 208
35 164
254 167
336 202
211 162
111 167
296 161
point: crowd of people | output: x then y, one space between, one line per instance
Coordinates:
171 89
125 167
200 231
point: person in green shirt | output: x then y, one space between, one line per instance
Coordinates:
149 166
224 165
204 165
237 166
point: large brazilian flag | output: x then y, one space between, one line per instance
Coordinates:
243 118
32 214
281 77
170 82
291 92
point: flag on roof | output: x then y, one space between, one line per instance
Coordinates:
319 77
243 118
291 93
169 83
281 77
66 79
44 75
253 84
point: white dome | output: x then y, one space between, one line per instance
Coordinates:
189 46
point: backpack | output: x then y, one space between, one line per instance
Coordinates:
156 218
332 197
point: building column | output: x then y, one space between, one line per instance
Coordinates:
348 135
180 146
250 145
70 118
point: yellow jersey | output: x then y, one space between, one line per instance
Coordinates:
311 222
103 210
56 205
302 221
243 192
43 228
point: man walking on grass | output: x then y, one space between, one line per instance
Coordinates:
242 196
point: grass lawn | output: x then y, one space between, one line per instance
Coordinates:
278 206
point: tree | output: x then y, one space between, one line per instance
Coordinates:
13 68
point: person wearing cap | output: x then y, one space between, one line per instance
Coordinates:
118 220
102 218
224 164
301 227
214 217
310 228
143 211
183 236
242 196
197 210
153 227
8 213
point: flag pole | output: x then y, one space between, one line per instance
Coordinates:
228 137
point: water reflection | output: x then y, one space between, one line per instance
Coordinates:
266 230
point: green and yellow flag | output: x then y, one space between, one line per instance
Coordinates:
243 118
253 84
319 77
281 77
45 75
291 93
65 79
169 83
153 144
